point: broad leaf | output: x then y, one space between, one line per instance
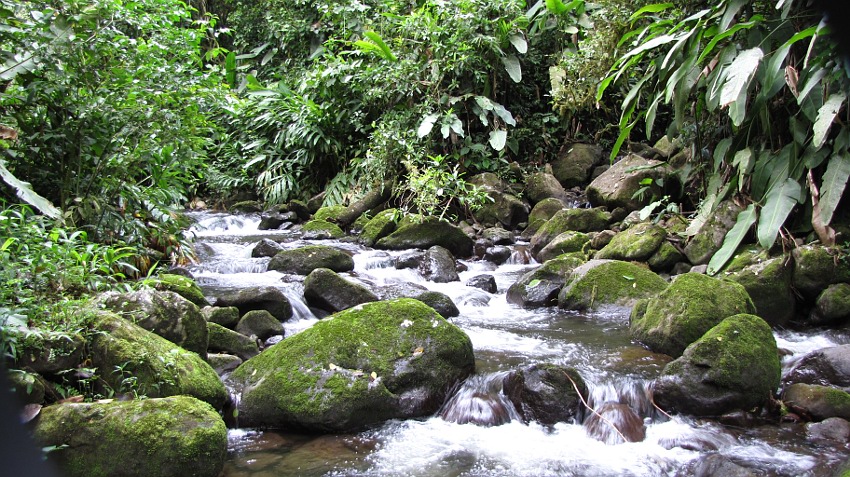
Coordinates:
733 239
427 125
24 192
519 43
779 203
504 114
498 139
741 72
834 183
826 115
513 68
654 8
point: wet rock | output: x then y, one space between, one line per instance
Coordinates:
252 298
383 360
438 265
273 221
300 208
440 302
266 248
399 290
540 287
716 465
159 367
617 186
381 225
303 260
177 435
223 363
767 281
615 423
546 393
499 236
832 429
832 306
479 401
505 208
228 341
815 268
163 312
567 242
734 366
600 283
540 185
247 207
259 323
424 235
709 237
179 284
326 290
819 402
637 243
546 209
321 230
498 254
827 367
226 316
685 310
483 282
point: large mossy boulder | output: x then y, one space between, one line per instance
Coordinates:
708 238
504 208
163 312
546 209
541 185
393 359
567 220
546 393
325 289
225 340
247 299
768 282
379 226
183 286
832 307
733 367
321 230
165 437
567 242
303 260
637 243
618 186
575 163
693 304
329 213
816 267
601 283
156 367
427 233
540 287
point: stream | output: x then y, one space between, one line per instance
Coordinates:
504 337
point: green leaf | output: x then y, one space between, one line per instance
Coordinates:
733 239
513 67
386 53
427 125
230 69
780 201
654 8
498 139
741 72
533 283
826 115
24 192
504 114
556 6
834 183
519 43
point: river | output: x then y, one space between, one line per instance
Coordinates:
504 337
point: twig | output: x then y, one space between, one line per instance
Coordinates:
600 416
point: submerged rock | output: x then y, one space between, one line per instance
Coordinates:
827 366
379 361
615 423
165 437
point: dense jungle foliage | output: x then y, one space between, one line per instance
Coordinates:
115 115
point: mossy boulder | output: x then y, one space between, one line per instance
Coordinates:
693 304
225 340
44 351
546 393
324 289
768 282
545 209
121 349
226 316
567 242
637 243
252 298
832 306
575 163
819 402
708 238
369 201
393 359
163 312
600 283
303 260
816 267
542 185
329 213
540 287
165 437
427 233
618 185
440 302
259 323
733 367
183 286
566 220
504 208
247 207
665 258
381 225
321 230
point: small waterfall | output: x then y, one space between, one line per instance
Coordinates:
618 411
480 400
521 255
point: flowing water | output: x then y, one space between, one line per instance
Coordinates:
478 432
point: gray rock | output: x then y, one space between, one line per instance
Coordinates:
438 265
259 323
252 298
325 289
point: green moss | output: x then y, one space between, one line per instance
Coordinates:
567 242
304 260
638 243
600 283
183 286
665 257
383 224
545 209
431 231
329 213
322 228
229 341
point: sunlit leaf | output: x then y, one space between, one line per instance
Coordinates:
498 139
826 115
513 68
518 41
25 192
779 203
733 239
427 125
741 72
833 185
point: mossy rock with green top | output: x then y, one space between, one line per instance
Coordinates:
303 260
637 243
183 286
329 213
425 234
601 283
379 226
321 230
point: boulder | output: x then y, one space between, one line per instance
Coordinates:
381 225
438 265
600 283
504 208
637 243
321 230
832 306
274 220
259 323
133 360
498 254
617 186
818 402
266 248
767 281
44 351
733 367
708 238
815 268
179 284
545 209
541 185
252 298
498 236
575 163
567 242
426 234
324 289
827 367
716 465
440 302
540 287
165 437
223 362
546 393
329 213
303 260
484 282
686 310
395 359
226 316
665 258
566 220
225 340
832 429
30 388
163 312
